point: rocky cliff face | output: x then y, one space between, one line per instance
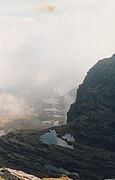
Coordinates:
97 93
93 113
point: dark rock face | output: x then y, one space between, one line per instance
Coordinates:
91 121
94 109
97 93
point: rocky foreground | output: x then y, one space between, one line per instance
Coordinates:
11 174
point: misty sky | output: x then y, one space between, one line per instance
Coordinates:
53 42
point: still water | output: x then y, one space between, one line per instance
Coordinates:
52 138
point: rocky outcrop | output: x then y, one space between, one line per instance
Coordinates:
11 174
97 93
93 113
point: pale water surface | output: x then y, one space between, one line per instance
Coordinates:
52 138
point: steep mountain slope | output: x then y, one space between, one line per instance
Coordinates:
97 93
94 109
85 145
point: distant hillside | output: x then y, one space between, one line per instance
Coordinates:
66 100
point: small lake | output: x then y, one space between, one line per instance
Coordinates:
52 138
68 137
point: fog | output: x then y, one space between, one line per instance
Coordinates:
12 107
51 44
39 46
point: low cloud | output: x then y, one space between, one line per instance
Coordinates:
38 49
12 108
50 45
